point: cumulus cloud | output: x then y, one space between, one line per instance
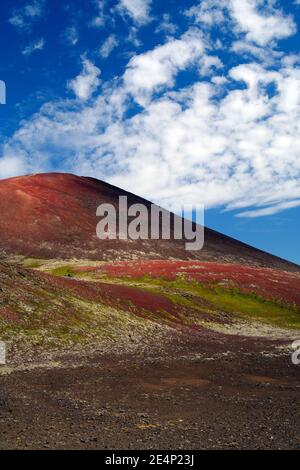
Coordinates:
259 20
250 51
33 47
230 137
12 165
166 25
239 151
133 37
109 45
85 84
209 12
263 26
138 10
22 18
149 72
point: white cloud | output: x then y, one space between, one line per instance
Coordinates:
85 84
149 72
133 37
138 10
260 21
232 140
263 26
209 12
240 151
71 35
248 50
34 46
100 19
219 80
22 18
166 25
109 45
270 210
11 166
209 63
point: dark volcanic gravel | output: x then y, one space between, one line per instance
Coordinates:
228 400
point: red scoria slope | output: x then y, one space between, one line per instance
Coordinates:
54 216
265 282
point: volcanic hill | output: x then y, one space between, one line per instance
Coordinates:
61 286
111 341
53 215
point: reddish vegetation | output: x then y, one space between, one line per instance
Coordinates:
54 216
7 314
125 297
269 283
113 294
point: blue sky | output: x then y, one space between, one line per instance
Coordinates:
178 101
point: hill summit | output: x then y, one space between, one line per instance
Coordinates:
53 215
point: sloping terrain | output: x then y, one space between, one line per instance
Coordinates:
138 344
70 288
106 357
151 354
54 216
41 313
125 306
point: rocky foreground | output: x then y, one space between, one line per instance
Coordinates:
153 355
212 394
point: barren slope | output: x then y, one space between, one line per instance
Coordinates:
54 216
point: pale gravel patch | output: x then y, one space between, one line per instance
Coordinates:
254 329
